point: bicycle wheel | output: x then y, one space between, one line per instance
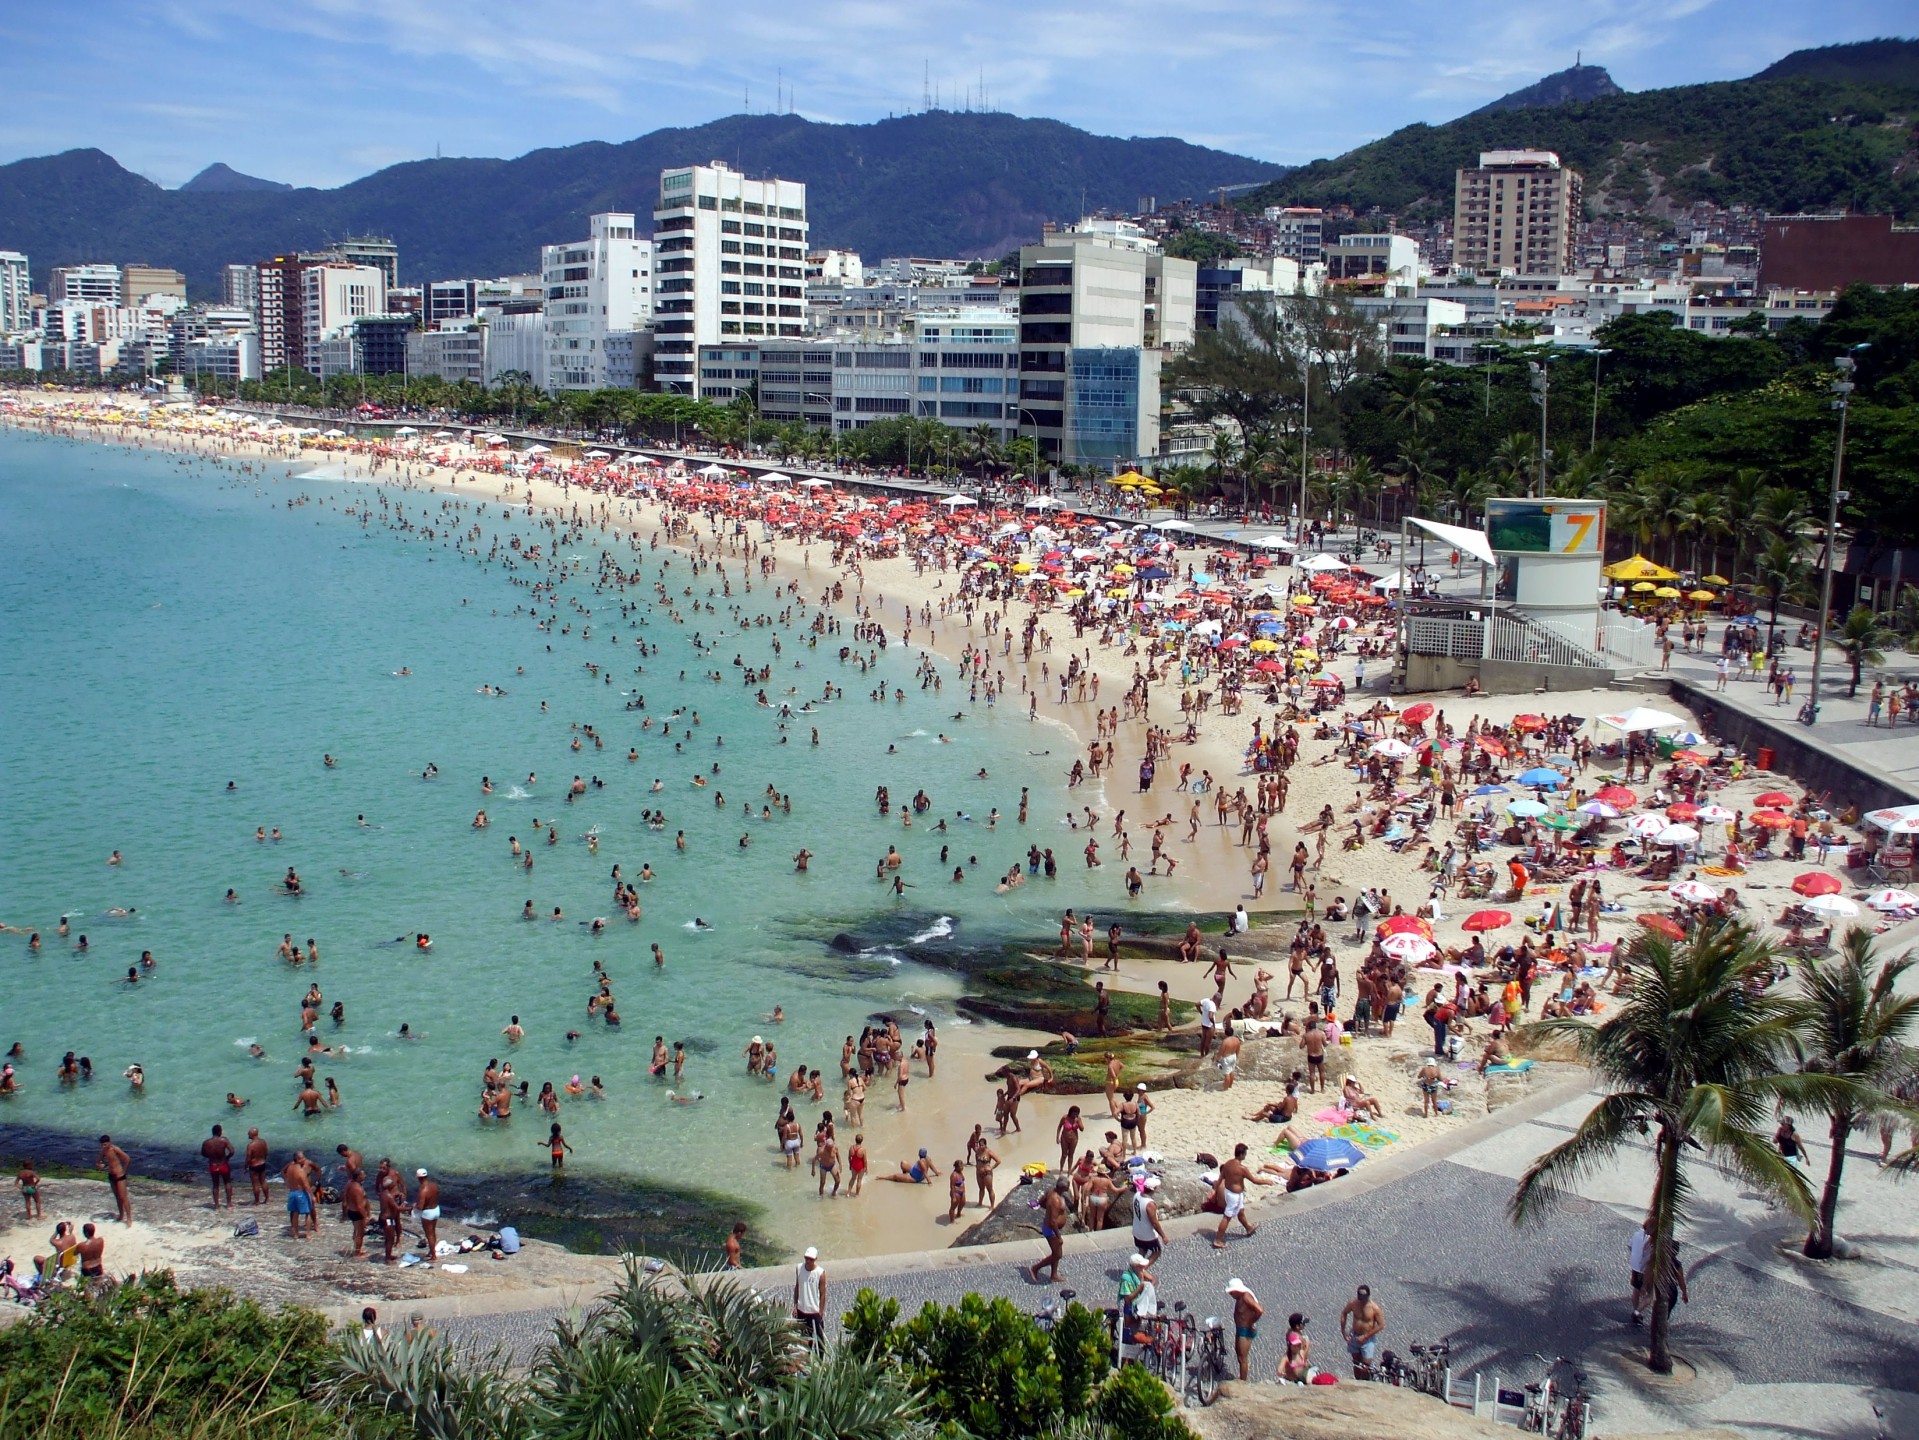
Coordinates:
1210 1371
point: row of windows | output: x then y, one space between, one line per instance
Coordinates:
967 360
962 384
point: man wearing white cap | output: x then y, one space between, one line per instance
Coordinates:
809 1296
426 1207
1246 1313
1138 1303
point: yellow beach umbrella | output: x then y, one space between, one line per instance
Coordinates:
1074 593
1023 567
1702 595
1131 477
1264 645
1714 580
1639 568
1644 587
1665 592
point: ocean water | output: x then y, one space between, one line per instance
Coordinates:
168 626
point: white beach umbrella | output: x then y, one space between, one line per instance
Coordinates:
1171 525
594 455
1716 814
1676 835
1599 808
1893 900
1395 750
1646 826
1413 948
1692 892
1831 905
1044 502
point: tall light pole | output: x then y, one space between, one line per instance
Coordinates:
1542 391
1305 433
1842 392
1593 444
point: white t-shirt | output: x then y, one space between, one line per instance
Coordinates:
808 1287
1208 1010
1639 1250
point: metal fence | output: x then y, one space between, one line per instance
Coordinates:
1626 638
1528 642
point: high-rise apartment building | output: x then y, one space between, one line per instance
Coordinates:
85 284
731 260
304 297
1518 211
1096 320
16 290
240 286
599 286
1299 232
379 251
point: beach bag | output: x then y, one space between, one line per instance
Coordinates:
247 1230
509 1240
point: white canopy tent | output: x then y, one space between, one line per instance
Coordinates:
1639 718
713 472
1323 562
1468 542
957 502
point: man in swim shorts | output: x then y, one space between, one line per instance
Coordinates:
299 1197
1054 1210
426 1206
257 1165
218 1151
1246 1315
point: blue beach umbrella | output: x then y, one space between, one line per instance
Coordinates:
1527 808
1542 776
1155 573
1490 790
1328 1153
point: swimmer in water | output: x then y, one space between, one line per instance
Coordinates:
692 1097
699 924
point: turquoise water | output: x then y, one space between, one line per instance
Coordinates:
171 626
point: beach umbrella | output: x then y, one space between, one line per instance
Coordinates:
1684 810
1271 645
1770 820
1528 808
1171 525
1406 925
1601 809
1664 925
1831 905
1667 592
1328 1152
1559 822
1410 948
1487 920
1701 595
1489 790
1714 580
1692 892
1644 587
1391 749
1268 666
1893 900
958 502
1542 776
1772 798
1491 746
1817 882
1646 825
1676 835
1416 714
1717 814
1617 795
1529 722
777 477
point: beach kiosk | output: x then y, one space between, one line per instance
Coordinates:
1549 553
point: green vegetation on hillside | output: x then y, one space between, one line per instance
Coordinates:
1783 145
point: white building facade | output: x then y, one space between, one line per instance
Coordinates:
596 287
731 264
16 290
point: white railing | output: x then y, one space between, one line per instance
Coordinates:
1525 641
1444 635
1625 638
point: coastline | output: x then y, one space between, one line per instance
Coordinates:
1211 879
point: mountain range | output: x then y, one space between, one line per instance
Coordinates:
1820 129
1825 129
937 183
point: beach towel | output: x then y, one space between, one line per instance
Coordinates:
1334 1116
1511 1067
1370 1137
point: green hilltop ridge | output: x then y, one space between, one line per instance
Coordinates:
1820 130
939 183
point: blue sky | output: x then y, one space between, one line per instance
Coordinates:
318 92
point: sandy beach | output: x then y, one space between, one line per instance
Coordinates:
1213 873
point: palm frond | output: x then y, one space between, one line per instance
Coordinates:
1611 1124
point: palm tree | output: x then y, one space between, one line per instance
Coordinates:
1224 450
1701 515
1415 400
1742 494
1861 638
714 1363
1693 1056
1851 1028
1784 573
1515 462
982 447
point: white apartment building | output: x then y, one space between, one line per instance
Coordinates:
332 297
516 345
1383 258
16 291
456 351
1298 232
240 285
595 287
87 284
731 260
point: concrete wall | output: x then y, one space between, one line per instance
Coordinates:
1796 751
1496 677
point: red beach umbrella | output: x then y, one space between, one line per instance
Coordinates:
1617 796
1774 797
1684 810
1664 925
1406 925
1417 714
1487 920
1770 820
1817 882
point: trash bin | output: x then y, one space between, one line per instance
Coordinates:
1764 762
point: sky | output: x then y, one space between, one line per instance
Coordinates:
320 92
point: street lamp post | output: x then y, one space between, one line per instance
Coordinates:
1842 392
1542 389
1593 444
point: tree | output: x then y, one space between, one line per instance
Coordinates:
982 447
1783 573
1861 639
1414 401
1694 1055
713 1363
1852 1023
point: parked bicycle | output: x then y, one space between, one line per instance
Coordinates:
1561 1410
1430 1371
